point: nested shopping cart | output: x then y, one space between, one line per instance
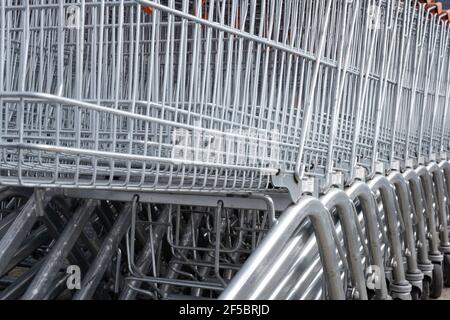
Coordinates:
193 95
171 95
221 98
186 95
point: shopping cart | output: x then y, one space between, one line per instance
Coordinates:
189 95
199 248
186 110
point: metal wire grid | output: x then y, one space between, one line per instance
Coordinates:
207 247
66 127
396 104
176 102
120 92
82 75
419 116
196 251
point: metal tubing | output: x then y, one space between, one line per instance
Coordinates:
33 242
270 207
59 287
20 228
6 193
110 244
445 167
415 186
92 243
202 272
185 240
400 288
253 280
6 222
413 274
438 178
433 238
148 253
337 199
55 226
235 200
15 290
362 192
44 280
299 167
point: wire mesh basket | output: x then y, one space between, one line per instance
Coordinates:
110 95
215 95
197 251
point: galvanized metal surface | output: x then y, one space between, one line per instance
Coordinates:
174 149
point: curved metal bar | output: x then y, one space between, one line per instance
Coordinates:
423 262
7 192
98 268
337 240
362 192
185 241
433 245
338 199
42 284
438 178
400 287
445 167
360 230
6 222
147 256
270 207
22 225
16 289
413 274
253 281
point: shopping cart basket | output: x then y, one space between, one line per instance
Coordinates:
110 95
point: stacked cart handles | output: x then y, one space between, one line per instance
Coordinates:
253 97
224 149
362 102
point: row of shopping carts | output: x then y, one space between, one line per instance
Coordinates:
233 149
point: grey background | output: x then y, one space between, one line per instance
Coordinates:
446 4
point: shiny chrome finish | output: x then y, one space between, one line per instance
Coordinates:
253 281
338 200
429 195
445 166
417 197
361 192
400 288
413 274
193 124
